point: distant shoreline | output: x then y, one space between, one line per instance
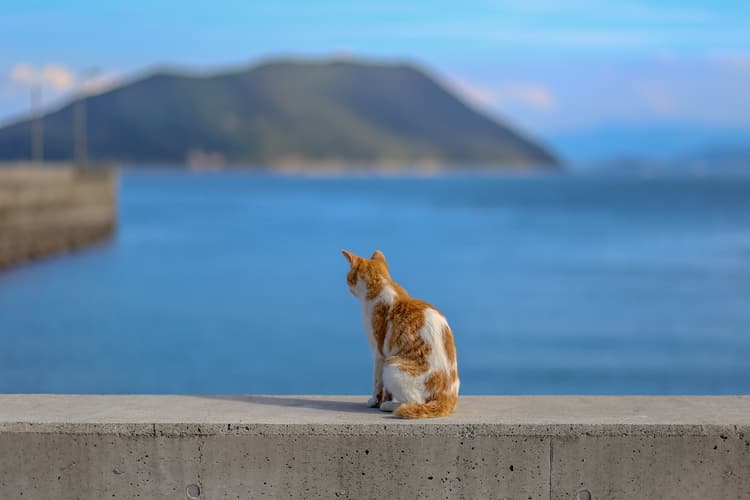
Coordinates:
318 170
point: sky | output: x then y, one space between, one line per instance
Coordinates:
547 67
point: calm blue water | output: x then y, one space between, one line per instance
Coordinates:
234 283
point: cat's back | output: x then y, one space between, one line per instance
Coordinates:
410 314
414 321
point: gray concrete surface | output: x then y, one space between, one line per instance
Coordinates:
65 446
47 210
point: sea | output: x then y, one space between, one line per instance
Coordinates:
234 282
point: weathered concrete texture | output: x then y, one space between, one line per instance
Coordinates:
329 447
53 209
663 467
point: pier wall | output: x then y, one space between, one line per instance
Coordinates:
48 210
520 448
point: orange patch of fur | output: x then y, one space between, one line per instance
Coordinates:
412 366
440 407
406 317
380 324
449 344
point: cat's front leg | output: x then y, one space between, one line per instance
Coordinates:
377 382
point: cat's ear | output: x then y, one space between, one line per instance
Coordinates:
349 256
378 255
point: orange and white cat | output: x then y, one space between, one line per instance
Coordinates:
415 371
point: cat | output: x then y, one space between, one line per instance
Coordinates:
415 370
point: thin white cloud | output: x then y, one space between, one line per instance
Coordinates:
22 74
708 90
532 95
99 83
56 76
594 39
529 95
625 11
656 98
58 83
481 96
738 61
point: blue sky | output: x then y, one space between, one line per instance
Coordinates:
550 67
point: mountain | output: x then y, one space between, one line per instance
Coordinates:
281 113
649 143
725 158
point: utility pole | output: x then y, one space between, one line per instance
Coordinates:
37 124
80 153
80 127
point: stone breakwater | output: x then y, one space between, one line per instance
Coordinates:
48 210
520 448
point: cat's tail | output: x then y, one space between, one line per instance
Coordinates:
441 406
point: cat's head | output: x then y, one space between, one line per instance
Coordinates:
366 277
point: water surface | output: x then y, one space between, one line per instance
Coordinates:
234 283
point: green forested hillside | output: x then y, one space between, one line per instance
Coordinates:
285 112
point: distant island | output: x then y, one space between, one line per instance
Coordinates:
285 114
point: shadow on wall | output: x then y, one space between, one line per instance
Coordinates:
301 402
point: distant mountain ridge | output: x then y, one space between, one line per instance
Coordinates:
652 143
285 113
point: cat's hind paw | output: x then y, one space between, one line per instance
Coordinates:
373 402
389 405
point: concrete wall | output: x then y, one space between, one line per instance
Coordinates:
53 209
213 447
